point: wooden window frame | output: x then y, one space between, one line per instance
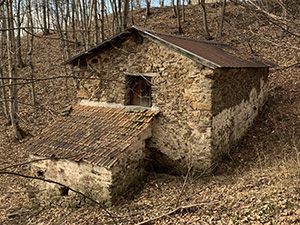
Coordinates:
139 90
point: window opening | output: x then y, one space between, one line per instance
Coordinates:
139 90
64 191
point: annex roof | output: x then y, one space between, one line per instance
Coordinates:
98 135
209 53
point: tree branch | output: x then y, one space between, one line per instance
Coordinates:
60 184
183 186
175 211
24 103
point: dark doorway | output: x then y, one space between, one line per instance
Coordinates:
139 90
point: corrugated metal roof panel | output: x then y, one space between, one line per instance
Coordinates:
97 134
212 54
220 54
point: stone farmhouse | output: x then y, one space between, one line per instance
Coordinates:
149 97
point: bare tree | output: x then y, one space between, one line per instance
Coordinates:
45 11
205 25
12 71
125 13
148 5
2 64
178 17
173 8
102 19
183 11
30 50
18 38
286 15
162 3
220 29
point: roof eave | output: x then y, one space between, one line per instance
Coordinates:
96 48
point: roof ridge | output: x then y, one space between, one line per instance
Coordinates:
179 36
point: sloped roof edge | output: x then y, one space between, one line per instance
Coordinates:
209 53
93 50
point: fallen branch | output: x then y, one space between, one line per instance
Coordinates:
19 192
183 187
175 211
24 103
60 184
287 67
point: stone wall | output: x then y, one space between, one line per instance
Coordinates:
202 111
181 91
99 183
130 168
237 97
91 180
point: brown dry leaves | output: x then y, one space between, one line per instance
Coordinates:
257 184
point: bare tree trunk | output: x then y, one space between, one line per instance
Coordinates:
12 72
148 5
30 51
3 89
4 105
66 35
18 43
115 18
48 14
79 21
178 17
37 14
73 8
132 8
173 8
102 20
183 11
220 30
138 4
96 26
205 26
58 26
45 27
120 24
125 14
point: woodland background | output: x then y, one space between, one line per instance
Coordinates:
258 182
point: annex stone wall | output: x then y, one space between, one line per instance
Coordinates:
99 183
181 91
91 180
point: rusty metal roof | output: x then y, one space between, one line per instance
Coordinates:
97 134
216 54
209 53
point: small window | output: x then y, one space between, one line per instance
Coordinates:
139 91
64 191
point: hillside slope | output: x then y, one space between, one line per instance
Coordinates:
257 183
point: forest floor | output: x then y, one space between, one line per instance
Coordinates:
258 183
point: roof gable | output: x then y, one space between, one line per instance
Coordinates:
208 53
